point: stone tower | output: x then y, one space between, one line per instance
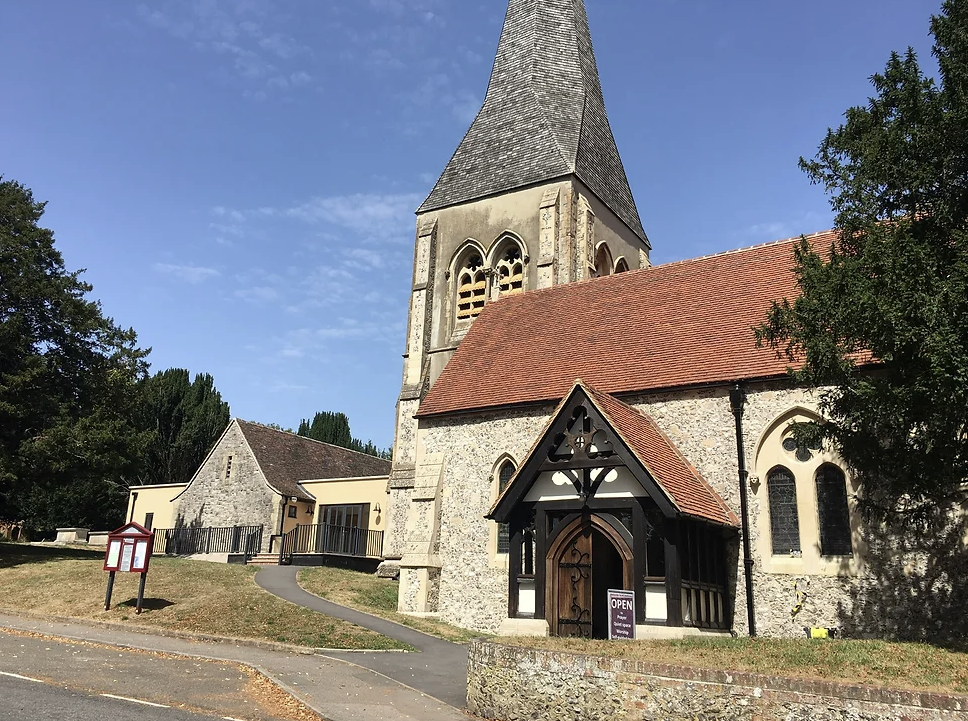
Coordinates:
535 195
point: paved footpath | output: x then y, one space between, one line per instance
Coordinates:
338 688
439 670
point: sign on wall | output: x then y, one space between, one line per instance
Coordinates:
621 614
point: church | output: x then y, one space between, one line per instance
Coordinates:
572 419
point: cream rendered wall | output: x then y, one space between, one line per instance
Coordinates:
156 499
340 491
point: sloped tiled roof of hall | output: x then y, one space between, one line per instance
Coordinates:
689 491
681 324
543 116
286 459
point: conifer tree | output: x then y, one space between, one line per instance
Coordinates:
894 286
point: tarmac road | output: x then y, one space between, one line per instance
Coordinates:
21 699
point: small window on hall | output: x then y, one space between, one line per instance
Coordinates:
784 519
149 519
503 532
510 270
471 288
833 513
228 467
621 266
293 510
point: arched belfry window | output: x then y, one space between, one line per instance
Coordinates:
603 261
832 511
510 270
504 474
471 288
784 518
621 266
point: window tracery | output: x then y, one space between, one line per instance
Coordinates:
471 288
603 261
621 266
510 271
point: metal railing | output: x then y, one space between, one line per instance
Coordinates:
326 538
186 541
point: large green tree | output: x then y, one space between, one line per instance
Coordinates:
330 427
893 288
184 419
68 383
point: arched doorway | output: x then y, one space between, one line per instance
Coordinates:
586 558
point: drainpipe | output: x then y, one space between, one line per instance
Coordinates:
737 402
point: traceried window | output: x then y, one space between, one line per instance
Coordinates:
833 512
510 271
784 518
471 288
503 536
621 266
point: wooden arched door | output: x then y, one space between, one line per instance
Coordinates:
585 559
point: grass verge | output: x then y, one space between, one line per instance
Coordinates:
913 666
366 592
182 595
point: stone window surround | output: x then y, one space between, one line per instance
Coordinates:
495 559
770 454
491 254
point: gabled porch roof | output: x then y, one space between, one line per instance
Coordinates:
673 483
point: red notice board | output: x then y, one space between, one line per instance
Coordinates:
129 549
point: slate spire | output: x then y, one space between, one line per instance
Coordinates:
543 116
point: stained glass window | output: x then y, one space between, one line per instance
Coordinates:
833 512
784 519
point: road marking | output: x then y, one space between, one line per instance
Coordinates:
232 718
135 700
17 675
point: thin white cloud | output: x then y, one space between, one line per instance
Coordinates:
187 273
258 295
380 216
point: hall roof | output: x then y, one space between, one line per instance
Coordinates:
682 324
286 459
543 116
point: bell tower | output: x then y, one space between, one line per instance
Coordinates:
534 196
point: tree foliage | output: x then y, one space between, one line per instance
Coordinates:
330 427
894 286
68 383
184 419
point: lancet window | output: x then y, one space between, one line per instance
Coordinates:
832 511
503 476
510 271
471 288
784 518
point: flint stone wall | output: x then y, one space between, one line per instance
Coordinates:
473 584
245 499
508 684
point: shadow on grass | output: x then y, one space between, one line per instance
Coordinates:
148 604
18 554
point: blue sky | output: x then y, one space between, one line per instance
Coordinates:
239 176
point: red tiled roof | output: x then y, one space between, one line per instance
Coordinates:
286 459
684 485
680 324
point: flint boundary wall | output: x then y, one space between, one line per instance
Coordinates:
509 683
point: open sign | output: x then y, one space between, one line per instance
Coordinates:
621 614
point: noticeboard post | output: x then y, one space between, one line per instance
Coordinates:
128 551
621 614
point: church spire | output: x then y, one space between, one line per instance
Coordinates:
543 116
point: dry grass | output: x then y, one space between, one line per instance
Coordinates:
366 592
913 666
182 595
